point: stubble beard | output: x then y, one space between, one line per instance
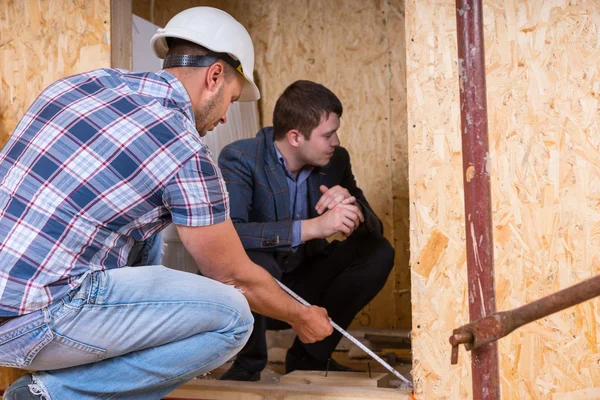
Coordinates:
203 115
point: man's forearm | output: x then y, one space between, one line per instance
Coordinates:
219 255
265 296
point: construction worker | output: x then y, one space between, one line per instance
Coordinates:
104 160
291 188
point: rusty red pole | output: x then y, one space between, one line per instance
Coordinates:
476 169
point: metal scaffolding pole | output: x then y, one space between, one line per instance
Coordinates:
476 169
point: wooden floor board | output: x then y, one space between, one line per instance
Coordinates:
229 390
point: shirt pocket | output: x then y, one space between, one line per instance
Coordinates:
20 344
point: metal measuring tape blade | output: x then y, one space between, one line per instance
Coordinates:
350 337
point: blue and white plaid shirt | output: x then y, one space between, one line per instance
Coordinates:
100 159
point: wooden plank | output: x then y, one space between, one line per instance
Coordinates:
9 375
333 378
121 34
230 390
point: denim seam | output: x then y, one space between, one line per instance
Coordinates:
47 339
66 341
48 336
23 331
218 305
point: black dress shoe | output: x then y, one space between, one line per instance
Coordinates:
307 363
19 390
237 373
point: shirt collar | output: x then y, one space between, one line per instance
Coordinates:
304 172
179 90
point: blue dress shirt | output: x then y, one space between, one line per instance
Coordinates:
298 188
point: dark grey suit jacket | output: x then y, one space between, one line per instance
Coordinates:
259 194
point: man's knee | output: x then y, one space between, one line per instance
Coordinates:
387 254
381 254
238 302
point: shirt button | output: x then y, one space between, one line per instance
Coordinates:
92 301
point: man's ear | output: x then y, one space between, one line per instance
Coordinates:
293 137
215 76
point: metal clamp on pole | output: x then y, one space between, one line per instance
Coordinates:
498 325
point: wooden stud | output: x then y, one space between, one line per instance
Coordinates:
121 34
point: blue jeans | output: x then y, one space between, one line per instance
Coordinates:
148 252
128 333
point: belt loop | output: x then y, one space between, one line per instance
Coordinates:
47 314
94 286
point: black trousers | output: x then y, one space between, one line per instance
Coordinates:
343 282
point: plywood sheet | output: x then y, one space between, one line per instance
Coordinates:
355 48
542 62
42 41
398 128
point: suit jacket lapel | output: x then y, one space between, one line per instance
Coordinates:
277 181
315 180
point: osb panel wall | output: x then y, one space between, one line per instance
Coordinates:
356 48
42 41
543 81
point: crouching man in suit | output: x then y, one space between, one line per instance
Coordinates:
290 188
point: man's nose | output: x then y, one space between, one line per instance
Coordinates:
336 140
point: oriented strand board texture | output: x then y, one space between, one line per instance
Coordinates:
42 41
356 48
543 79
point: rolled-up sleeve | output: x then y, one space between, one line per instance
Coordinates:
197 195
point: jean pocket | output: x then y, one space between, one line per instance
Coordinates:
64 352
19 346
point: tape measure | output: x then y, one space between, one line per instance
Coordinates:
350 337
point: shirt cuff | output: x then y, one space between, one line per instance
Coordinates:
296 234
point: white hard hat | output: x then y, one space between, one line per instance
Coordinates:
217 31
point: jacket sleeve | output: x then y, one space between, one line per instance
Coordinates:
372 222
266 236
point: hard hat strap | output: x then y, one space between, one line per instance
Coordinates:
186 60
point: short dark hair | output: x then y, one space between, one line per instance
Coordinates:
301 107
185 47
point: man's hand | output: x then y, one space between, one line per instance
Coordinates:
344 218
219 255
312 325
332 197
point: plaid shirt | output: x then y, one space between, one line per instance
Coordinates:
100 160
